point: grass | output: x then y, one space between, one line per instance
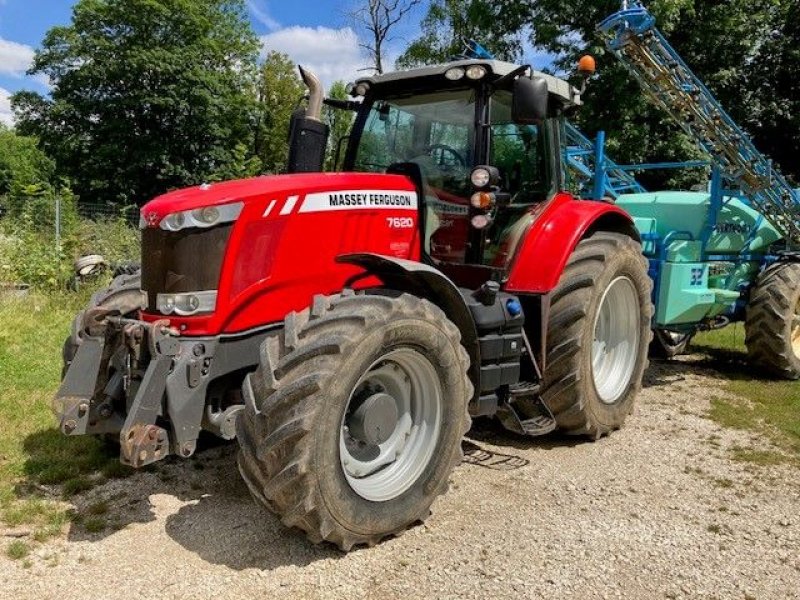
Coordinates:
755 403
33 453
17 550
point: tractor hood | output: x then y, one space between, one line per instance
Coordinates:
271 187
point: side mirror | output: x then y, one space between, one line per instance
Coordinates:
530 101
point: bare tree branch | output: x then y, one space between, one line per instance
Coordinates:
377 18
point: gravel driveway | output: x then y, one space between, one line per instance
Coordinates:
657 510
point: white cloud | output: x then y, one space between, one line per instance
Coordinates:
333 54
6 116
15 58
261 14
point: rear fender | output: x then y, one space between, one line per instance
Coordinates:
425 281
552 238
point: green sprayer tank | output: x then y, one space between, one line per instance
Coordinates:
700 256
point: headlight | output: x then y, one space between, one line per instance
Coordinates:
187 304
454 74
481 221
202 217
476 72
480 177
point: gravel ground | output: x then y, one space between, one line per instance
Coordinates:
657 510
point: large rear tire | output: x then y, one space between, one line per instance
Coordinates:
598 336
772 324
354 417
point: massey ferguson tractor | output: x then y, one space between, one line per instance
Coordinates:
344 327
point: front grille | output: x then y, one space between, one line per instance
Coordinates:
175 262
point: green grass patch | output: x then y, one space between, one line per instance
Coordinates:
17 550
32 450
95 524
765 405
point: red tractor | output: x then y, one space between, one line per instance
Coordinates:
344 327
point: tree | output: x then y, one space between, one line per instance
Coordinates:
340 122
773 97
378 18
280 91
450 23
734 46
148 95
716 39
22 165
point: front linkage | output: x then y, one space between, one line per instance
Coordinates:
144 383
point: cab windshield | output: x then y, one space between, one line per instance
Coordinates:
435 131
438 132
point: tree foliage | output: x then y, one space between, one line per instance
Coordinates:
147 95
450 23
279 93
745 50
22 165
340 122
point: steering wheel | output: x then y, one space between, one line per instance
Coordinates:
441 161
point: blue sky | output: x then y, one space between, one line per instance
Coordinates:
316 33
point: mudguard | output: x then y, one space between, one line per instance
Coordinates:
543 254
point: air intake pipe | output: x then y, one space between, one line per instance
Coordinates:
308 135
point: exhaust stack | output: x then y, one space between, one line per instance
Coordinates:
308 135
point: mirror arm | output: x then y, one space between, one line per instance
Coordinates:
509 77
342 104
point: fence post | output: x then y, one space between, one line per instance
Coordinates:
58 226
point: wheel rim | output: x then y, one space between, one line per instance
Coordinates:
616 340
401 392
796 330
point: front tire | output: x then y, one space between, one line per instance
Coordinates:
598 335
123 295
772 324
354 417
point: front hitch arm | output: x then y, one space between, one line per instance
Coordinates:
73 403
142 441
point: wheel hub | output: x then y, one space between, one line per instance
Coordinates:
391 425
374 421
795 335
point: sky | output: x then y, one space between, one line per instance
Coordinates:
315 33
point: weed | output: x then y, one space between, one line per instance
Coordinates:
94 524
17 550
77 485
97 508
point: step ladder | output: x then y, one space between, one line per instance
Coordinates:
669 84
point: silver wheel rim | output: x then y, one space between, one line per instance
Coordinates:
384 471
616 340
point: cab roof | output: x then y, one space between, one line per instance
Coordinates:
557 87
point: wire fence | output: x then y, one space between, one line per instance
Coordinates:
130 213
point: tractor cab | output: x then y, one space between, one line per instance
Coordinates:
481 137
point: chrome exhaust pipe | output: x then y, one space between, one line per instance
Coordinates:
316 94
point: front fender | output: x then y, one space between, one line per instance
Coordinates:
552 238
